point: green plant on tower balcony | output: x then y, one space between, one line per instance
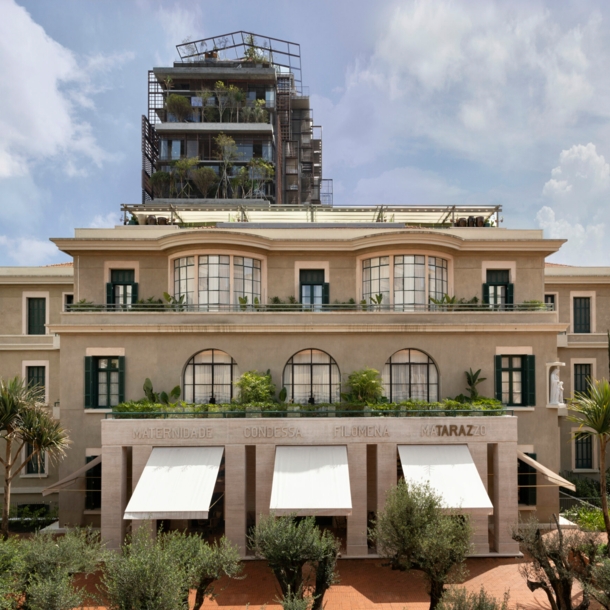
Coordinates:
204 178
181 170
179 106
255 387
160 183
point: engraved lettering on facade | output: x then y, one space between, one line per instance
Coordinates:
173 433
361 431
454 430
272 432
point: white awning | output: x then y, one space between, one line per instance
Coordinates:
71 478
549 474
177 483
311 481
450 471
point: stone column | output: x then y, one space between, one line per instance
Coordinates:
357 521
265 461
387 455
479 521
139 457
235 496
114 495
506 513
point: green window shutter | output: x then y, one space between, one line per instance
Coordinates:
325 294
498 375
510 294
530 381
121 379
109 294
36 312
134 293
89 382
485 293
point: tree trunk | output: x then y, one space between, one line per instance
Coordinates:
603 492
7 488
202 589
437 589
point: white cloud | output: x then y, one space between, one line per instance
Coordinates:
45 89
577 195
29 251
104 222
492 82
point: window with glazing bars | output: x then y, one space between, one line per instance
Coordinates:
122 289
37 464
104 381
410 281
209 377
549 299
583 452
410 375
438 282
498 290
246 279
214 281
93 486
312 376
582 377
36 312
582 314
376 278
184 278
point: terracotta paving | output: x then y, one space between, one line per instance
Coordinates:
367 585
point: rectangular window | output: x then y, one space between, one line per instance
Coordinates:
582 377
36 312
122 289
498 291
314 291
549 299
214 281
93 479
35 376
176 149
582 314
526 480
184 278
68 301
583 452
376 278
104 381
410 280
437 277
516 380
37 464
246 279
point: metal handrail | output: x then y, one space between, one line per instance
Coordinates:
323 412
304 308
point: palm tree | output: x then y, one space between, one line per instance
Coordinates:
592 411
25 419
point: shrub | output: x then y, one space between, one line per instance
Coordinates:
255 387
203 178
364 386
54 593
460 599
160 183
588 518
179 106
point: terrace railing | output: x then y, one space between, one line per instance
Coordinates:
148 307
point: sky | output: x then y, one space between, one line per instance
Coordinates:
421 102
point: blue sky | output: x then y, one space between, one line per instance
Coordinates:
422 102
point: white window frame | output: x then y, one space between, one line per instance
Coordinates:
573 361
23 474
583 293
595 456
403 252
217 252
24 310
45 363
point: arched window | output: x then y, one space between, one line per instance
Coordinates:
209 377
312 376
410 374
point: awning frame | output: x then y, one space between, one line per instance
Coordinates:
551 476
56 487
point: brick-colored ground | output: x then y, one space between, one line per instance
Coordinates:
367 585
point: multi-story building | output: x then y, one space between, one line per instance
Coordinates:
234 104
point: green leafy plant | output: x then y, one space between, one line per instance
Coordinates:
173 303
160 183
243 303
283 394
162 397
459 598
472 381
376 299
179 106
204 178
415 532
255 387
182 169
364 386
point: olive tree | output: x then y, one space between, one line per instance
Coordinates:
557 559
288 544
25 420
415 532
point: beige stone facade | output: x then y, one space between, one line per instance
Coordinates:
159 344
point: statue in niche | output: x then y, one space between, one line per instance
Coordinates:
556 393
